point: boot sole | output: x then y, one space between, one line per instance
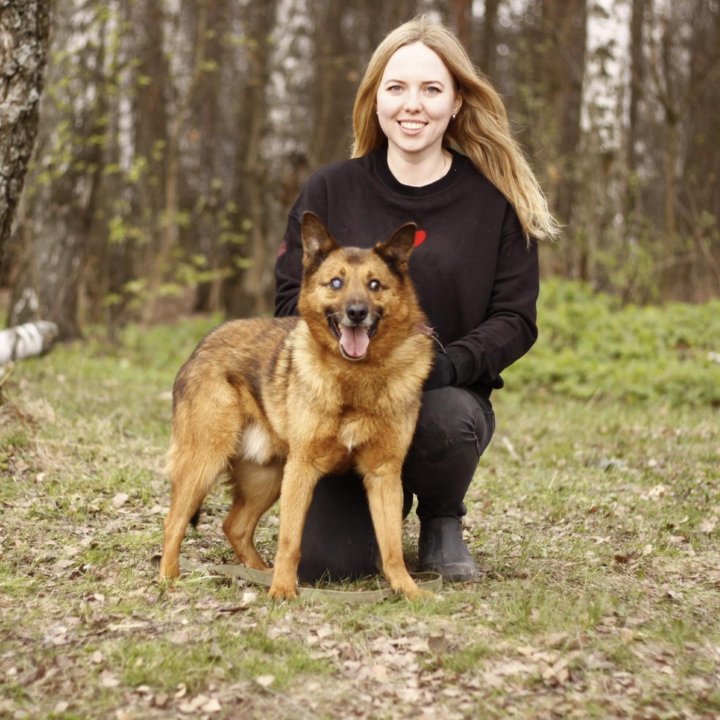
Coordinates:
452 572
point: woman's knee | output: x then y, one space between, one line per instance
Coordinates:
452 420
453 430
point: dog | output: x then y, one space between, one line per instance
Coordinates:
275 404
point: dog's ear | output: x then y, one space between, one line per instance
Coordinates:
317 241
396 250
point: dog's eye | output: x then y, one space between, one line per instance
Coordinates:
336 283
374 285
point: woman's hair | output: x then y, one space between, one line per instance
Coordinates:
480 130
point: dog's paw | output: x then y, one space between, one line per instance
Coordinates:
169 570
418 594
407 587
279 591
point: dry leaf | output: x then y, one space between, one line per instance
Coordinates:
211 706
57 635
160 700
120 499
265 680
324 631
108 680
708 526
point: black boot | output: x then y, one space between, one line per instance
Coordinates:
443 550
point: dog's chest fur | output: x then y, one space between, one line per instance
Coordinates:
350 431
353 431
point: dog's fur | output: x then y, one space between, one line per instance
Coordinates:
278 403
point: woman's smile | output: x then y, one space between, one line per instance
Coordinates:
416 100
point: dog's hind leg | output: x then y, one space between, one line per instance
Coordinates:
256 488
202 445
190 486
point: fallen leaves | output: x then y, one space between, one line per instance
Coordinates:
708 526
601 589
265 681
120 499
109 679
200 704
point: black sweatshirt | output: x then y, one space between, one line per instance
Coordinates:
475 274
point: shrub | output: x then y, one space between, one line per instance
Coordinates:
590 346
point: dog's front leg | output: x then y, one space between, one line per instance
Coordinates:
298 485
385 496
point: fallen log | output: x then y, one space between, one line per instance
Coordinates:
27 340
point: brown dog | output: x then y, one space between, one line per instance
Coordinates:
279 403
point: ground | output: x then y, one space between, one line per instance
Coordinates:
595 525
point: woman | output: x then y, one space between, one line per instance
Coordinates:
432 144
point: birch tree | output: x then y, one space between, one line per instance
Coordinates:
61 202
24 27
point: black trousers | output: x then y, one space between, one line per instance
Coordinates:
454 428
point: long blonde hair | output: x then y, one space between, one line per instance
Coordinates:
480 130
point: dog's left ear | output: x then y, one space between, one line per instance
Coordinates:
317 241
396 250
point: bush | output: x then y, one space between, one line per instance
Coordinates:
590 346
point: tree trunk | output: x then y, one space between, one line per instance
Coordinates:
488 42
169 231
152 149
699 190
637 80
208 189
24 28
61 201
334 90
462 21
249 290
565 23
104 260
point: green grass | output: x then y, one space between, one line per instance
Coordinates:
226 655
591 347
594 517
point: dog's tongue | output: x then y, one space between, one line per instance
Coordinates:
354 341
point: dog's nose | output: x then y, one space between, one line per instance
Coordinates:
356 312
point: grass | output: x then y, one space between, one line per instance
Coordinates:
595 521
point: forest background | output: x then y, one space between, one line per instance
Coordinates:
174 136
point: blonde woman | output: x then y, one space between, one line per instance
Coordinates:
432 144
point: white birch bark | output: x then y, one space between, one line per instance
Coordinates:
26 340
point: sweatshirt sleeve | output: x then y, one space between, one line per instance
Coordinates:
510 328
288 270
288 263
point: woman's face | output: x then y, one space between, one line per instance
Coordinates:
416 100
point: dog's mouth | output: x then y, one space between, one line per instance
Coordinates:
354 338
